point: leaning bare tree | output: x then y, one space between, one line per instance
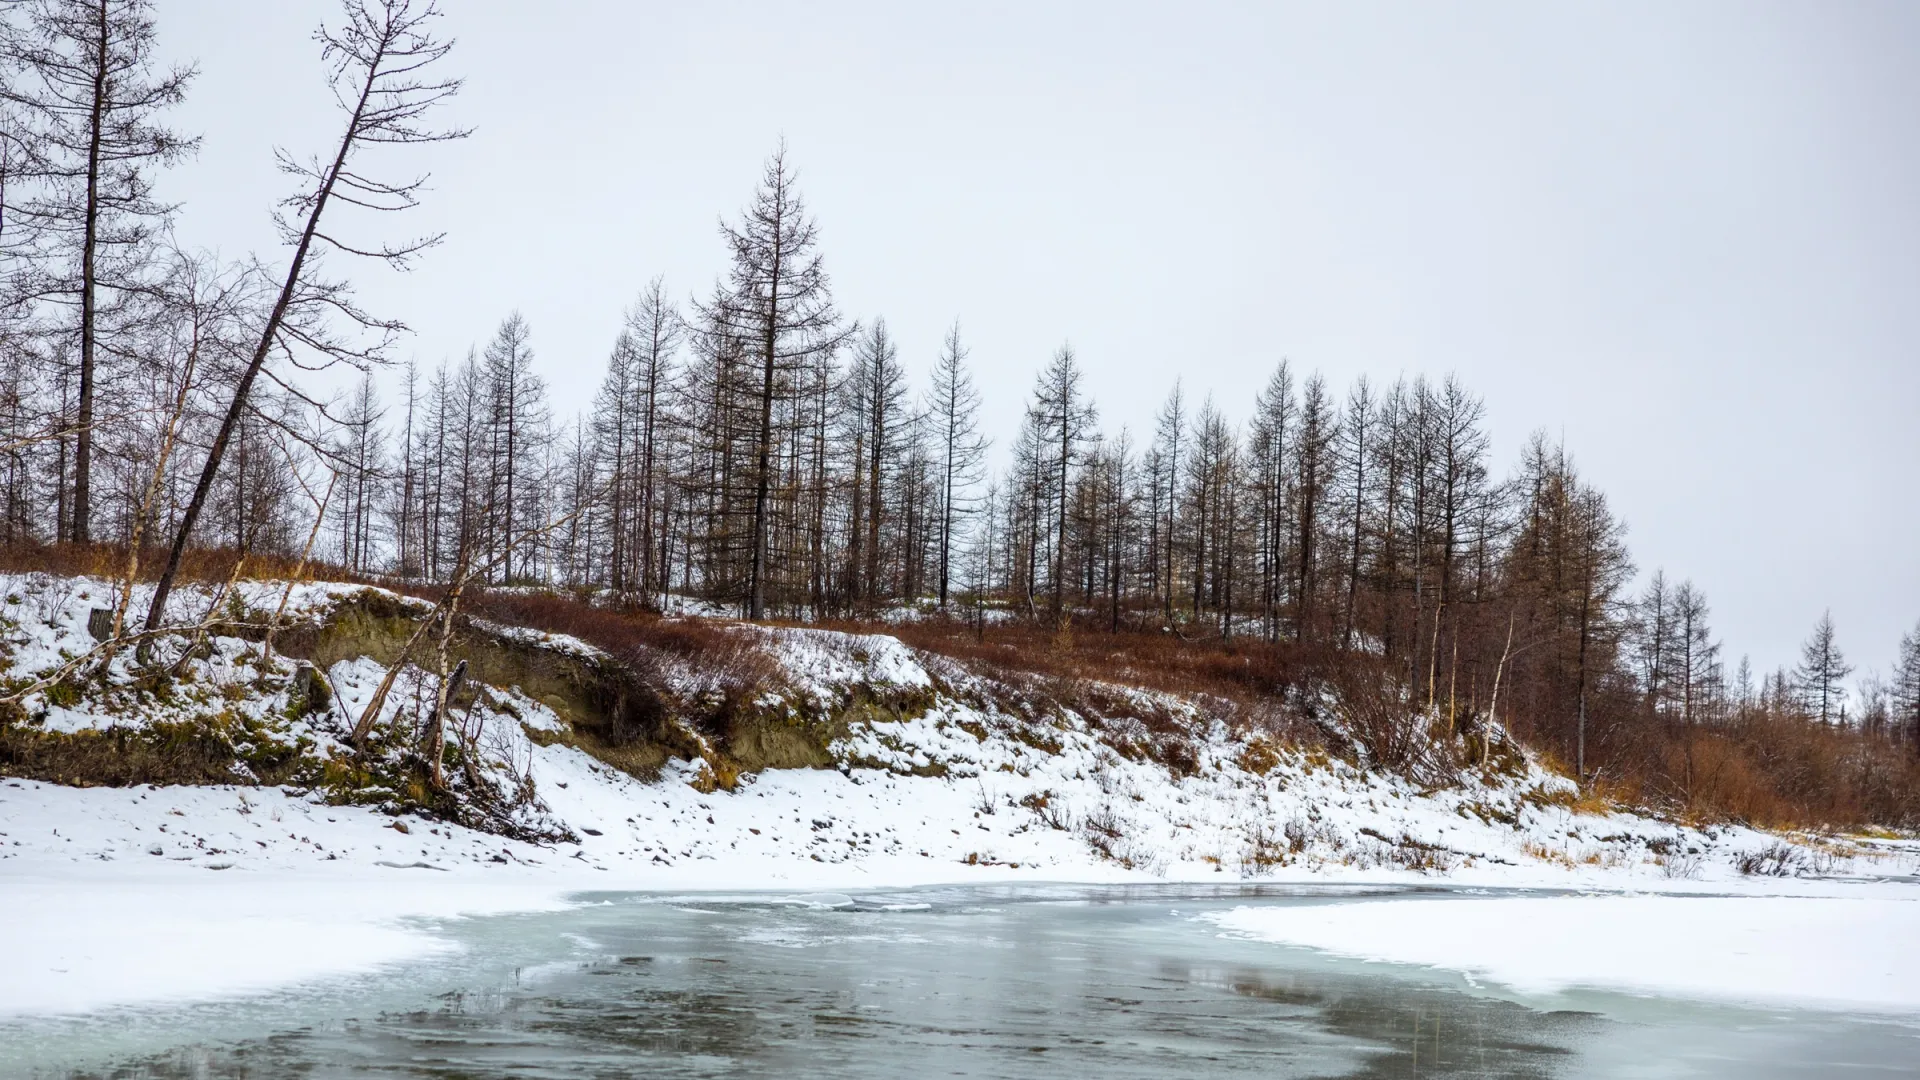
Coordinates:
379 64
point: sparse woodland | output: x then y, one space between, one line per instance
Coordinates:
756 448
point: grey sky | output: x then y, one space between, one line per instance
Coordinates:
1684 237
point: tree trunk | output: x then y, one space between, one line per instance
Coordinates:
80 529
763 457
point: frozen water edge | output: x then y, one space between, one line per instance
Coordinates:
1852 953
92 941
96 920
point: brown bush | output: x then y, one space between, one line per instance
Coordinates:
1237 671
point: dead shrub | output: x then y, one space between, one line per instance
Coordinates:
1259 756
1774 860
1051 812
1678 867
1378 718
1264 849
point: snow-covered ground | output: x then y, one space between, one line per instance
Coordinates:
82 941
1858 949
137 893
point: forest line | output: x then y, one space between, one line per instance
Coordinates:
756 448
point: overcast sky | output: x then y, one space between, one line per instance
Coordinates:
1684 238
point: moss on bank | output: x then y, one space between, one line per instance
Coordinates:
224 748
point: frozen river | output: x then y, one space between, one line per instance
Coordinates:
1034 981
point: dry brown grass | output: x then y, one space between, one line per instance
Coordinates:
1786 773
1246 682
634 636
1237 669
198 565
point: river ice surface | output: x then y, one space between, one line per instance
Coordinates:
1012 981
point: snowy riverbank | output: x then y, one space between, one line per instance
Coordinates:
96 919
926 773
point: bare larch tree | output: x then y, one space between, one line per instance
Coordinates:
380 64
